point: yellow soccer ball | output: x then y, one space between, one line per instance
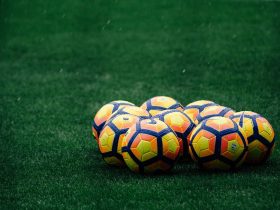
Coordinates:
132 110
218 143
181 124
260 135
150 146
194 108
104 114
214 111
111 137
160 103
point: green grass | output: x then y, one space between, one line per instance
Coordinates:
60 61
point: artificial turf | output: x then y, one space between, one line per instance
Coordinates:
60 61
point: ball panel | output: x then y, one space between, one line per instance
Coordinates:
220 124
249 113
94 133
142 144
256 152
132 110
153 125
144 106
194 132
129 135
192 113
130 162
182 148
106 140
229 113
122 102
157 167
154 112
179 122
163 101
148 156
199 133
231 147
103 114
175 119
214 111
136 141
136 153
134 145
178 107
170 146
204 146
192 153
194 108
118 123
216 165
136 111
113 161
145 150
243 137
248 126
265 129
119 147
153 142
201 103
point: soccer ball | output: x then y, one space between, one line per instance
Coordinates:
260 135
181 124
110 139
133 110
214 111
160 103
150 146
218 143
194 108
104 114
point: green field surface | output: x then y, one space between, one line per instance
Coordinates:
60 61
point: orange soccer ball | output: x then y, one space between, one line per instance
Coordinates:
214 111
150 146
160 103
181 124
218 143
111 137
104 114
260 135
194 108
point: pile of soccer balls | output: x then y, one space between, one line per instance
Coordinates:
153 137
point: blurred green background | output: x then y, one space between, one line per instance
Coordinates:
60 61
